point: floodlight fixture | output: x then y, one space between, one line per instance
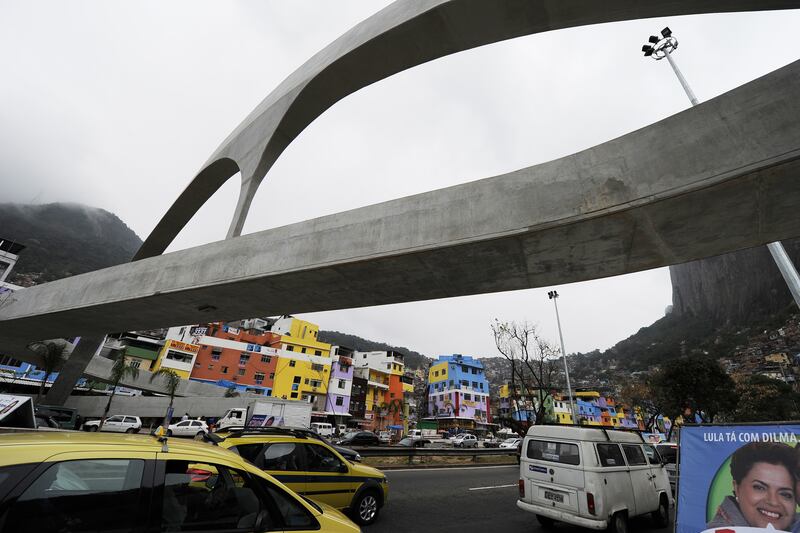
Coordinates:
666 32
653 39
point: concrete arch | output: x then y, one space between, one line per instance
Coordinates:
405 34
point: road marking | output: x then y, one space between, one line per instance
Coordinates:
448 468
494 487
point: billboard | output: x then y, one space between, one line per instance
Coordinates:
739 479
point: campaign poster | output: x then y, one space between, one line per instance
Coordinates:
739 479
265 421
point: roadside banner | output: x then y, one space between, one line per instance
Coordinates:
739 478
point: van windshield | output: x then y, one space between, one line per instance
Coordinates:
556 452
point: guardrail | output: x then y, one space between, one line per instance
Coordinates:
411 453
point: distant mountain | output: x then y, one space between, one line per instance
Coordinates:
413 360
63 240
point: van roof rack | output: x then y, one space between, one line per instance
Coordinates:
238 431
604 429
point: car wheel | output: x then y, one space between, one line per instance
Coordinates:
93 428
365 508
545 521
661 516
200 435
619 523
129 430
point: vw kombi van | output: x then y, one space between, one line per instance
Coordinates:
592 477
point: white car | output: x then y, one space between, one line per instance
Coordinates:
465 440
513 442
187 428
116 423
384 437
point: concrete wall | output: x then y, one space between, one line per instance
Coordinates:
154 406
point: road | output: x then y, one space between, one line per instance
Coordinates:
463 500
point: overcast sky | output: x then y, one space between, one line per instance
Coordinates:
117 105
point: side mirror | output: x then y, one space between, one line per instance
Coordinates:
343 469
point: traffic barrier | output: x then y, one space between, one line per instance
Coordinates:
411 453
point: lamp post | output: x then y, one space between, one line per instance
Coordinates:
553 295
661 47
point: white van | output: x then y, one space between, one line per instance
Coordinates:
322 428
592 477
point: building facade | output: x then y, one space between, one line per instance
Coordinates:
458 393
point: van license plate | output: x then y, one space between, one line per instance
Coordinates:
554 496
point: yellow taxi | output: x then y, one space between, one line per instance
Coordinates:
81 482
312 468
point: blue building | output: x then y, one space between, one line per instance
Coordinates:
458 393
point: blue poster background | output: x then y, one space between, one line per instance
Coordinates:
703 450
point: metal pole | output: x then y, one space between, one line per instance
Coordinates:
566 369
684 83
776 249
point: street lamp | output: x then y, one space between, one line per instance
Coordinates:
553 295
661 47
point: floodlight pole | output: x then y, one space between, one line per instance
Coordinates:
661 48
553 295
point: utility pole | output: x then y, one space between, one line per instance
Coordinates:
662 47
553 295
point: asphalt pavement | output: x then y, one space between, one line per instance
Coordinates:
464 500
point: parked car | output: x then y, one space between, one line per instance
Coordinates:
412 442
71 481
351 455
594 478
465 440
312 468
188 428
384 437
360 438
116 423
512 442
492 442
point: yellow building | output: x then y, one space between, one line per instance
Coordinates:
176 355
437 373
304 363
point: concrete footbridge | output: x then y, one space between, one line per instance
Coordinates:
715 178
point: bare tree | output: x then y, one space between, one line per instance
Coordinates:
534 369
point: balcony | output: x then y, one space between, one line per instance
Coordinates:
377 385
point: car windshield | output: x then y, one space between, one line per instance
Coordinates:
511 440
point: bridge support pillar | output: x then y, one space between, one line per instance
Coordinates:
72 370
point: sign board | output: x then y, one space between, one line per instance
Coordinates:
16 411
265 421
726 473
178 345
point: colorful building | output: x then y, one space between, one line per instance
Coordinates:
458 393
340 386
389 389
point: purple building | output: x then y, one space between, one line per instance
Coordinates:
340 385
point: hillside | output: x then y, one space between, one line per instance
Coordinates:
62 240
413 360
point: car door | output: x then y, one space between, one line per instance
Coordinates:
114 423
181 429
644 491
195 494
83 491
327 478
285 461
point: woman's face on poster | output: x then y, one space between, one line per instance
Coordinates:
766 496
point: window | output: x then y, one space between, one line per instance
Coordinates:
211 367
272 375
84 495
292 363
293 395
474 384
317 367
241 371
556 452
259 378
467 397
610 455
284 456
244 358
306 382
266 358
339 400
303 349
652 454
342 384
215 353
179 356
634 454
321 459
224 369
136 363
296 379
289 348
200 497
317 352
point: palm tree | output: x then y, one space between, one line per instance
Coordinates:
172 381
119 371
51 356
